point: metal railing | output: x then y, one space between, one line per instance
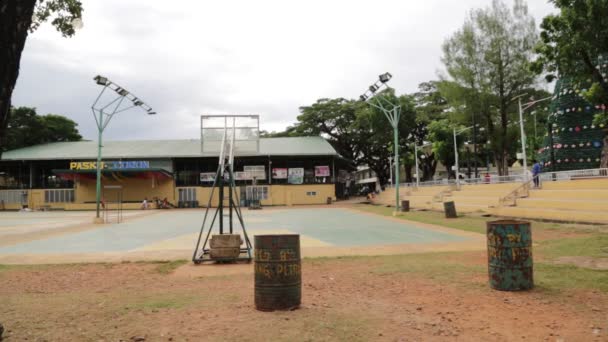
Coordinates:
13 196
521 191
471 181
59 196
517 178
574 174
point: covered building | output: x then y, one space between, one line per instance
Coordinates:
284 171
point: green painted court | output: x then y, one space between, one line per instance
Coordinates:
70 237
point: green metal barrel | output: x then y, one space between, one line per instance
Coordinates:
510 255
405 206
278 272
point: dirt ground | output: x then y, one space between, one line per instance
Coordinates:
384 298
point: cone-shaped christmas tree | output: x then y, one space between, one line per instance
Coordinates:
573 141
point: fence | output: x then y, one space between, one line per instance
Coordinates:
13 196
482 180
59 196
187 194
574 174
517 178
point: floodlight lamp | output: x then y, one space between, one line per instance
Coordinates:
122 92
137 102
385 77
151 112
481 129
373 88
363 97
101 80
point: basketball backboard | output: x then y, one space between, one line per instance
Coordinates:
244 130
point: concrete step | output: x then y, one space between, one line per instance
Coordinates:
552 214
462 208
473 200
574 204
480 193
599 183
579 194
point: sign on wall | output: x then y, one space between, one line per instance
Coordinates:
295 175
129 164
279 173
207 177
322 171
255 171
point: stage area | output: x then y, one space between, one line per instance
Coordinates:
62 237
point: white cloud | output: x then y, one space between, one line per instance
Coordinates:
186 58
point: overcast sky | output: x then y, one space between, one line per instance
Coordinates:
191 57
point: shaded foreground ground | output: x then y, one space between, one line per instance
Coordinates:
420 297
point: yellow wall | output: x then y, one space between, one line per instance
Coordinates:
134 190
279 194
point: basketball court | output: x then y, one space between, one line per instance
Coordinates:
69 237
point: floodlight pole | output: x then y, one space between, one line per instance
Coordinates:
521 128
456 166
416 158
99 113
392 112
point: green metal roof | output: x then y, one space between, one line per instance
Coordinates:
150 149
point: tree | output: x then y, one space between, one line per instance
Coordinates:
489 60
26 128
17 19
431 106
571 44
440 133
334 119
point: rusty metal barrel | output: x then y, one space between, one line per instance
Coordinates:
277 272
405 206
450 209
510 255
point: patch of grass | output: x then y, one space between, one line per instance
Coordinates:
476 224
473 222
161 302
169 266
556 278
592 246
339 327
439 266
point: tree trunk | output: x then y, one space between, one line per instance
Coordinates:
604 158
16 18
408 173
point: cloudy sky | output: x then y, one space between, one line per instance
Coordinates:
191 57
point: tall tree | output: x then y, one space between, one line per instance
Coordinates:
489 57
335 120
431 106
17 19
26 128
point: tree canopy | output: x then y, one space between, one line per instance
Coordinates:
571 43
17 19
488 61
26 128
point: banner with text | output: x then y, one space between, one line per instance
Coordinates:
321 171
279 173
295 175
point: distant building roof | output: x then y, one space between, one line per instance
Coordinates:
150 149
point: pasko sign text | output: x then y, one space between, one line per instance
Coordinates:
130 164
